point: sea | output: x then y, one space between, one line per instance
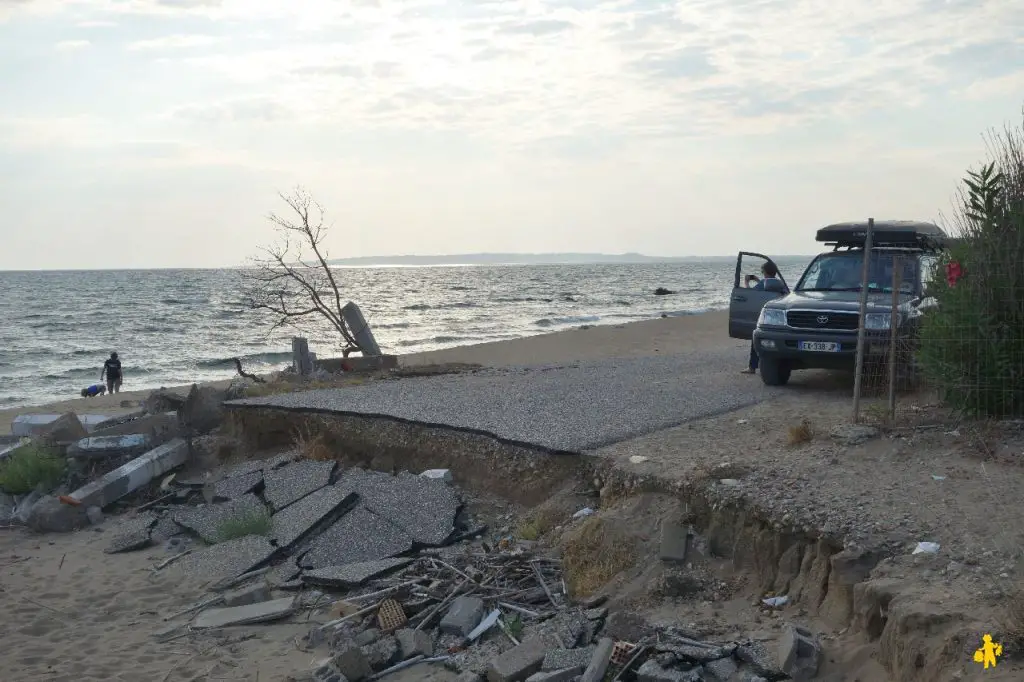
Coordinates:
174 327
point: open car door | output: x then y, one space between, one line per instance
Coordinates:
745 303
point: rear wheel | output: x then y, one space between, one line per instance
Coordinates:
774 372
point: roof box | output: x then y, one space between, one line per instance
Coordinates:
891 233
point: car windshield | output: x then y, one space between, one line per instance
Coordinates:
843 270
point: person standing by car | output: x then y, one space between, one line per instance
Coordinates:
112 370
770 282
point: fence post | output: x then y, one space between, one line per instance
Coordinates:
859 369
893 328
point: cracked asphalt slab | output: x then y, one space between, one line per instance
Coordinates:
562 409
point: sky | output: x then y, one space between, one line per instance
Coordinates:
158 133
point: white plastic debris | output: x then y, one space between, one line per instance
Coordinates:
586 511
776 602
485 625
638 459
936 477
742 421
926 548
438 475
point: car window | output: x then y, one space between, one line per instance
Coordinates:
843 271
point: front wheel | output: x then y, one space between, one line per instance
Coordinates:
774 372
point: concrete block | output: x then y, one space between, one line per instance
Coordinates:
351 663
381 654
414 643
463 615
29 425
244 615
438 475
160 427
518 663
564 675
253 594
133 475
103 447
599 661
799 653
51 515
559 659
674 541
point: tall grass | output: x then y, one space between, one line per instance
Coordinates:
972 346
31 466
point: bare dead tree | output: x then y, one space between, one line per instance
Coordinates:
292 280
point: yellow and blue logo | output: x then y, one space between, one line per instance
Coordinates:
988 652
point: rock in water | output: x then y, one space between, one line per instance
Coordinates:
50 515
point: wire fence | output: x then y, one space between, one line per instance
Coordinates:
955 339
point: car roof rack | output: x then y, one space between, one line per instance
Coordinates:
907 234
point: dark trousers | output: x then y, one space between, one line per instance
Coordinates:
753 356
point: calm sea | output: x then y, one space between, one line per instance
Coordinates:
174 327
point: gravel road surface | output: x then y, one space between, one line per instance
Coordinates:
568 408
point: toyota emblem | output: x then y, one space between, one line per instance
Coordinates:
822 319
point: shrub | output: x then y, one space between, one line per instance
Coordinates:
30 466
254 522
972 345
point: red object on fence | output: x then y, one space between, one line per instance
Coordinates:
954 271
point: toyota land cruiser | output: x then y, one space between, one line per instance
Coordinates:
815 325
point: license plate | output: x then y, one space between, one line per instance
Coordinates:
820 346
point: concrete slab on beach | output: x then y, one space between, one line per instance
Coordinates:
559 408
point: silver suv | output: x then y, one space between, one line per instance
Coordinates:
814 325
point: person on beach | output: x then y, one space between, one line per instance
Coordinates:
94 390
771 274
112 369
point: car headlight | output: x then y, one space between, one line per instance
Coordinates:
772 317
878 321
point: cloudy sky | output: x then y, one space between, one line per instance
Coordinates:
155 133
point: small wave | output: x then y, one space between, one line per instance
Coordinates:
523 299
157 329
391 325
458 287
441 306
437 339
184 301
684 313
270 358
572 319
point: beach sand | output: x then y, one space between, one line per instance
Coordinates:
72 612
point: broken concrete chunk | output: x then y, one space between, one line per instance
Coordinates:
228 559
699 654
243 615
165 529
359 535
352 575
50 515
381 654
296 521
414 643
253 594
64 428
675 539
853 434
438 475
518 663
799 653
423 508
565 675
559 659
236 486
596 614
209 520
104 447
351 662
651 671
202 409
722 670
133 475
757 657
463 615
290 483
599 661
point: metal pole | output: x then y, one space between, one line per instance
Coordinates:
860 324
893 327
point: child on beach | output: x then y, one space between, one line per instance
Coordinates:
112 368
94 390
